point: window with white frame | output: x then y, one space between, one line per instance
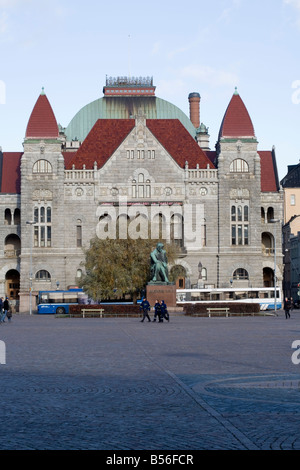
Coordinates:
239 166
141 187
42 226
42 275
240 274
42 166
240 224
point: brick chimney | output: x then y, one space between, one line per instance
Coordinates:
194 100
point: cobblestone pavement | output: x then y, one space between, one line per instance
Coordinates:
118 384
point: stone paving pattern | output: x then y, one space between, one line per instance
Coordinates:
118 384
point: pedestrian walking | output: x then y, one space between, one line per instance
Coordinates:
9 314
145 306
157 310
6 308
164 311
287 307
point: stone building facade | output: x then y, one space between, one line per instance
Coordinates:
132 156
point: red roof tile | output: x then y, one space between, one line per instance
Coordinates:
68 156
178 142
42 122
236 121
11 179
101 142
108 134
268 172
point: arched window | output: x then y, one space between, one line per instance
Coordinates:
7 217
42 166
239 166
240 274
79 274
141 187
42 275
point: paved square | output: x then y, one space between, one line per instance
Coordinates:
118 384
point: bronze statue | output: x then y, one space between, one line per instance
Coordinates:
159 264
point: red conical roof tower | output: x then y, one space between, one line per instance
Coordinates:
236 121
42 122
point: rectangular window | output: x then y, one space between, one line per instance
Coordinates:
36 236
233 235
141 191
79 235
42 229
240 216
48 236
293 200
240 234
246 237
239 224
42 236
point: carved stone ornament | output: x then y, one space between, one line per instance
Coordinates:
114 191
79 192
42 194
239 193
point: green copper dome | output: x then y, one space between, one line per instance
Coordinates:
123 108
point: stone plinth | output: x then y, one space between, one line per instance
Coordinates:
166 292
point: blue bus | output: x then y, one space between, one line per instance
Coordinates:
58 301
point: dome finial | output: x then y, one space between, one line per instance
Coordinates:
43 91
236 92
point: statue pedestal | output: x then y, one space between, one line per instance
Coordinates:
161 291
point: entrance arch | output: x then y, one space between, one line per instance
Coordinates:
268 275
12 284
178 275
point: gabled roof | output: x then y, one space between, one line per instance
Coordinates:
108 134
10 173
102 141
236 122
177 141
42 122
269 175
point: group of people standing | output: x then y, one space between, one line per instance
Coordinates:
160 310
5 310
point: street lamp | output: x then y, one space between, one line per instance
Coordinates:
275 221
30 269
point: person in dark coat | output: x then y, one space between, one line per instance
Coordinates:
164 311
287 307
157 310
145 306
6 309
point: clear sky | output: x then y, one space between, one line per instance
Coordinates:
69 46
